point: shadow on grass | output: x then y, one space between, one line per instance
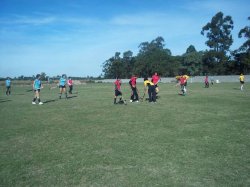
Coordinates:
29 90
50 101
70 97
3 100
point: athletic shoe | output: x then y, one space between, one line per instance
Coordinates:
33 103
137 101
40 103
131 101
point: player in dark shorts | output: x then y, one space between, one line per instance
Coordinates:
118 92
37 85
62 86
134 92
8 86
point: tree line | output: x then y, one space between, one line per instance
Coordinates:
45 77
217 60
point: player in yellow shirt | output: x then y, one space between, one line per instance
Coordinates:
150 88
242 78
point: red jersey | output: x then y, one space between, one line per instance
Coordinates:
117 85
133 81
182 80
206 79
155 79
70 82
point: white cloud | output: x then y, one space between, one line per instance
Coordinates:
20 19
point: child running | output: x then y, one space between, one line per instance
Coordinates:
118 92
185 85
62 86
8 86
37 85
183 81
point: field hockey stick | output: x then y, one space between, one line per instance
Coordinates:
142 98
124 101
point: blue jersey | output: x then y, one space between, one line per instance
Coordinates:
37 84
62 81
7 82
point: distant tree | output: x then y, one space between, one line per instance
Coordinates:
128 63
218 32
245 32
192 61
153 57
191 49
242 55
43 76
113 67
21 77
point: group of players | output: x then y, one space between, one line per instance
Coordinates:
63 82
37 86
150 87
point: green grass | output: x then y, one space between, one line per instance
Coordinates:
202 139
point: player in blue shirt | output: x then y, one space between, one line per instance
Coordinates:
62 86
37 85
8 86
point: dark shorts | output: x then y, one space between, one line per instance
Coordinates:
61 86
37 90
117 93
242 82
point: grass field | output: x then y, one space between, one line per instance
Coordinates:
202 139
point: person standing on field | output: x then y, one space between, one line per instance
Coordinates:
37 85
242 81
70 83
118 92
8 86
62 86
134 92
206 82
155 79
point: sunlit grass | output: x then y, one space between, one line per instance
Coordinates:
201 139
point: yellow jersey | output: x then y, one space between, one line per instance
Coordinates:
242 78
147 83
186 76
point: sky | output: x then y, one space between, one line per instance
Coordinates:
75 37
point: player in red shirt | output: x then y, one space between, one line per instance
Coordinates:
183 81
134 92
70 84
206 82
118 92
155 79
